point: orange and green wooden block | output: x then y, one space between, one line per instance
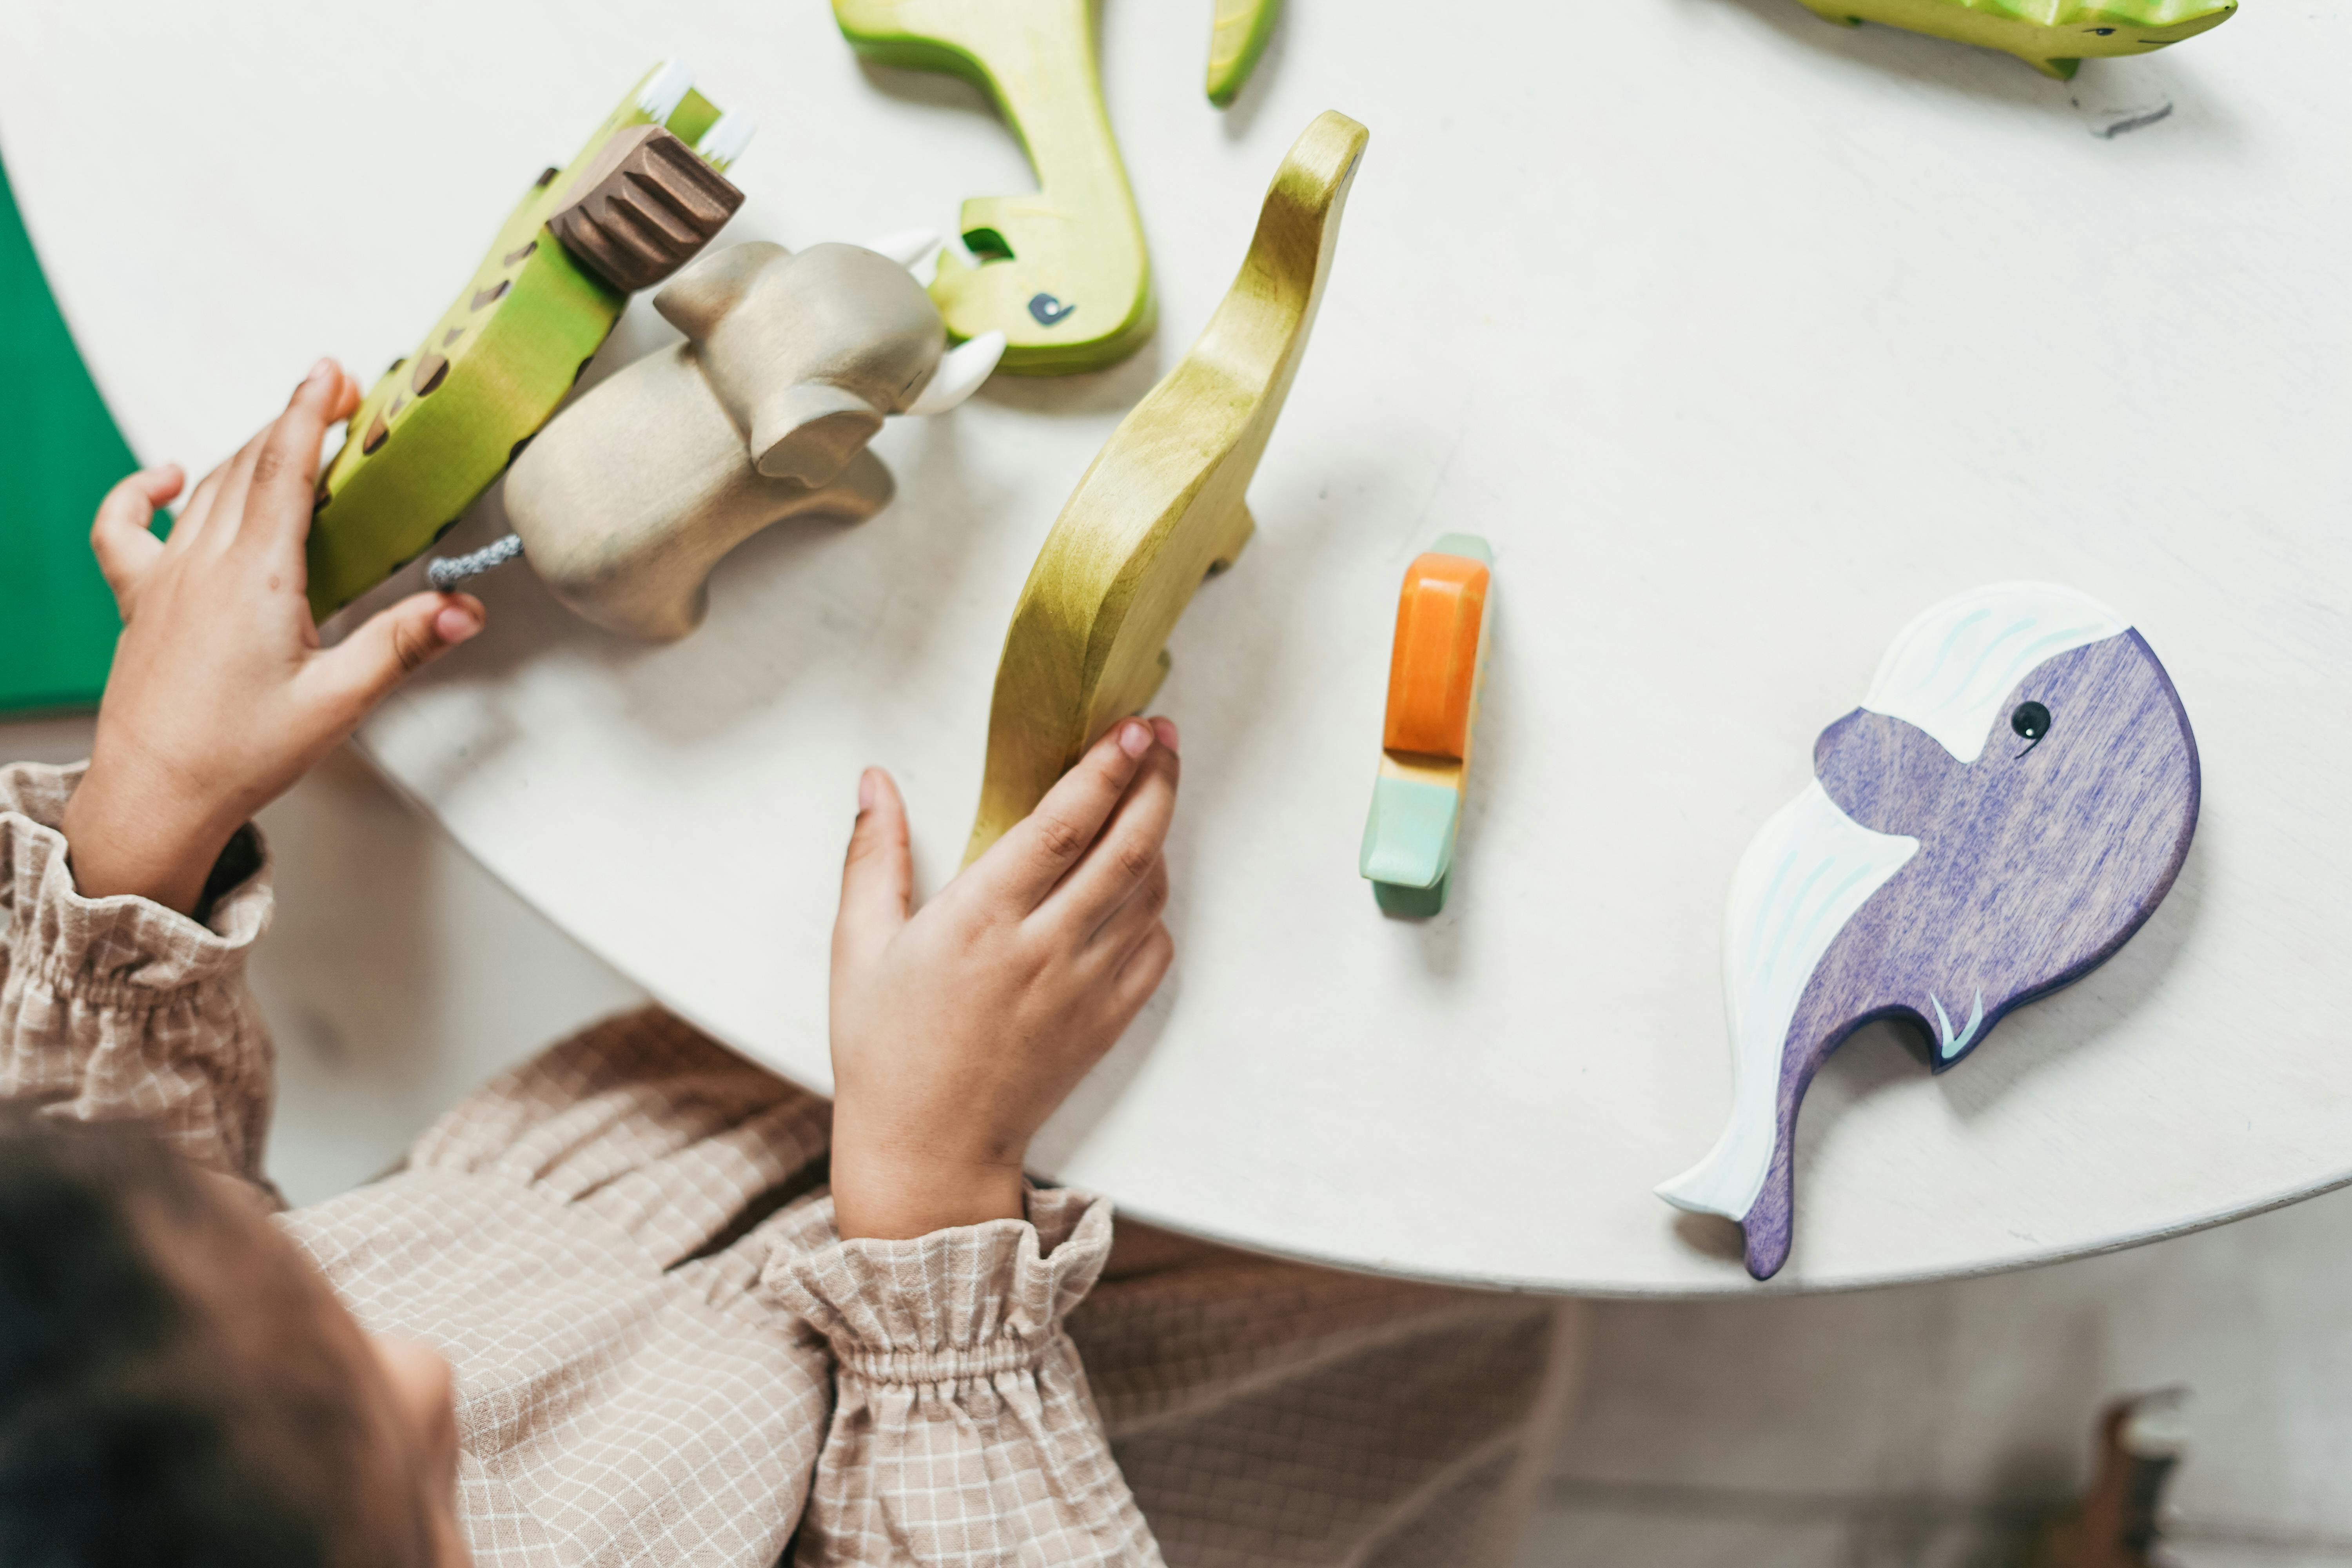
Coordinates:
1435 670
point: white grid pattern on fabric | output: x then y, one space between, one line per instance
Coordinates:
654 1368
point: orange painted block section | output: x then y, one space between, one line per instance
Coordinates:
1434 672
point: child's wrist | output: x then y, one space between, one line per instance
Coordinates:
890 1192
125 837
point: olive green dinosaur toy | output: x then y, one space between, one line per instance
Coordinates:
443 423
2054 37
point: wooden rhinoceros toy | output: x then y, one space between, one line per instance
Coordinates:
792 360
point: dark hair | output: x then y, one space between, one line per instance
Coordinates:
123 1444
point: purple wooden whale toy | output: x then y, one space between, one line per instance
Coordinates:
2010 803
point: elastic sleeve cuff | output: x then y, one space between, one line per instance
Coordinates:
952 1306
122 950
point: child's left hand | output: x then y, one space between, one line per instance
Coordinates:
221 697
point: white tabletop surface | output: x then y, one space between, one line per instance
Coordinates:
1742 337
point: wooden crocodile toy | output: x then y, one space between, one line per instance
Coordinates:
2054 37
637 203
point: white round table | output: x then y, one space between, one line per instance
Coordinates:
1743 338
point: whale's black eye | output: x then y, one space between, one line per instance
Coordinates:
2031 720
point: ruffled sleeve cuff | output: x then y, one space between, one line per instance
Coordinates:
947 1307
118 1008
963 1435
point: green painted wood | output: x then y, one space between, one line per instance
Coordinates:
1409 837
60 452
1062 273
1237 37
443 423
2054 37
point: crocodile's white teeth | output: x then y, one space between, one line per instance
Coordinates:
665 90
725 141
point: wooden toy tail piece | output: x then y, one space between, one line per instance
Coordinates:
1435 672
1236 39
644 208
1063 273
1162 505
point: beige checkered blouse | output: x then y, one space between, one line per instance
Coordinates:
664 1354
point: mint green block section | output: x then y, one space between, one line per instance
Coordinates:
60 453
1412 903
1470 546
1409 837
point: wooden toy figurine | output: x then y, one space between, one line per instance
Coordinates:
1236 39
629 497
1162 505
2119 1521
1436 670
2012 800
2054 37
1062 274
635 204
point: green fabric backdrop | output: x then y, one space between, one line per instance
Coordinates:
59 451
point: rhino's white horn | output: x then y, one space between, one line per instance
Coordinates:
962 370
916 249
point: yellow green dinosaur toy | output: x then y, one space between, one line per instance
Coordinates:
2054 37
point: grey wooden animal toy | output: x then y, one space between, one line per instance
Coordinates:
628 499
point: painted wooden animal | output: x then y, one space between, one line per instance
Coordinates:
440 425
2054 37
2118 1522
1436 670
629 497
2011 801
1063 273
1162 505
1236 39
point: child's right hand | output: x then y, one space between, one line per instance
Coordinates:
957 1032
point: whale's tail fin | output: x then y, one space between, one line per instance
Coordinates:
1756 1194
1806 873
1722 1184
